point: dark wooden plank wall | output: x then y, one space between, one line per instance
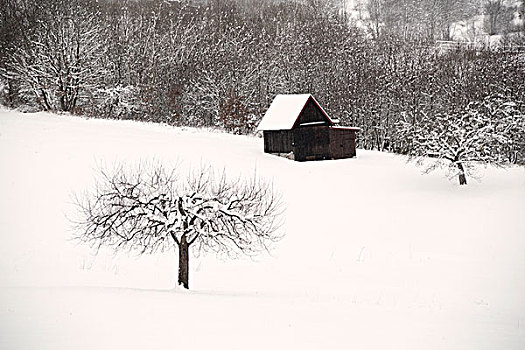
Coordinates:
278 141
312 142
342 143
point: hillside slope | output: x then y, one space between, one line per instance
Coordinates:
375 255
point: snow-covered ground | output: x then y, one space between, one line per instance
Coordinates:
376 255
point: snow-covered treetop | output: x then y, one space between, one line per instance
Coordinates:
284 111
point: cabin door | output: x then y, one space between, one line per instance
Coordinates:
311 143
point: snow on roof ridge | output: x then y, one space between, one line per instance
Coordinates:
284 111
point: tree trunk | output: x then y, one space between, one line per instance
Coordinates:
462 176
184 259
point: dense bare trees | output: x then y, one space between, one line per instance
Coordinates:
416 20
499 16
60 58
152 208
219 63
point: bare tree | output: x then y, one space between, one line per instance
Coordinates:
499 16
485 132
375 11
151 208
62 59
521 16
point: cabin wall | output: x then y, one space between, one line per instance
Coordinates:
312 142
342 143
278 141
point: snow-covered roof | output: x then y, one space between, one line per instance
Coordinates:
284 111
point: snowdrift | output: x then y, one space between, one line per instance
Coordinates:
376 255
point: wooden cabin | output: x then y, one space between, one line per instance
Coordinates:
296 126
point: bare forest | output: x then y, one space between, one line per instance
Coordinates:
375 64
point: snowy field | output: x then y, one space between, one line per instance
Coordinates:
376 255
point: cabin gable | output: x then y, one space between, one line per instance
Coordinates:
312 114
